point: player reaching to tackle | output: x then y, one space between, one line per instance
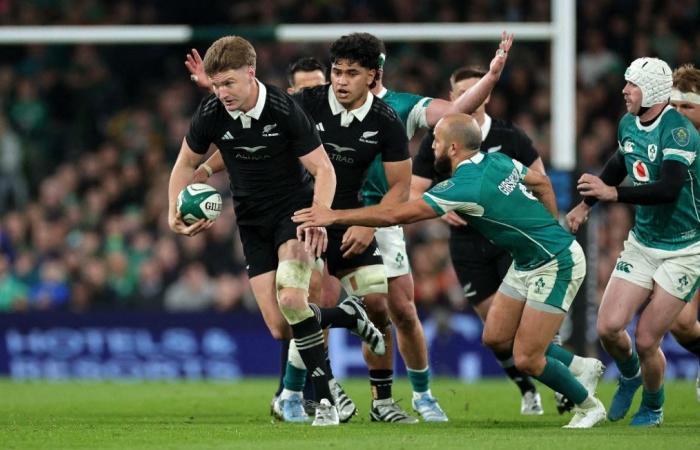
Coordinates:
491 192
658 150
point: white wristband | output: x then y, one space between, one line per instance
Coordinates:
208 168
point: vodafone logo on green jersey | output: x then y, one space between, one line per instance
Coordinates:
640 171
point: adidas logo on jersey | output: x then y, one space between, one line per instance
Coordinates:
227 136
319 126
367 135
318 372
377 252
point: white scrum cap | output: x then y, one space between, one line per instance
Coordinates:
654 77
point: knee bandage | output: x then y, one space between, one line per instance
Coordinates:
295 275
366 280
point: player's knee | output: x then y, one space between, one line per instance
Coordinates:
292 284
527 364
646 343
494 341
377 309
607 330
405 318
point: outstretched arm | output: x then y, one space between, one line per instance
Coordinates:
382 215
471 99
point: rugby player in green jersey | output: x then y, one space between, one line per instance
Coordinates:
515 209
658 150
685 97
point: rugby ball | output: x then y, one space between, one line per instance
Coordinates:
199 201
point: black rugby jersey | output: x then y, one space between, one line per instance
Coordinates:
262 160
503 136
352 148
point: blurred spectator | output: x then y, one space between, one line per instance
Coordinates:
13 185
194 291
13 293
95 129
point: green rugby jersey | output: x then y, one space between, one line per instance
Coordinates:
671 136
487 190
411 110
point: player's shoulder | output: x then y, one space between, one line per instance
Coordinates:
680 128
278 100
209 105
383 110
404 97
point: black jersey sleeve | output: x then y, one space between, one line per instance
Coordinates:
394 143
199 136
302 130
525 151
613 173
424 161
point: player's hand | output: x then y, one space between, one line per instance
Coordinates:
200 175
315 216
180 227
577 216
315 240
194 64
356 240
592 186
452 218
499 61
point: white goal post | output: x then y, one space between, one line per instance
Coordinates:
561 32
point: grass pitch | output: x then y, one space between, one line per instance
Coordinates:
201 415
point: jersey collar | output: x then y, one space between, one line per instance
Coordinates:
345 115
254 113
655 123
475 159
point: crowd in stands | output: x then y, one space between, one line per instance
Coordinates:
88 135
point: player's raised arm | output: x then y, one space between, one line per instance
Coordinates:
471 99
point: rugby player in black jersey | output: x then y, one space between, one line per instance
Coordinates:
275 162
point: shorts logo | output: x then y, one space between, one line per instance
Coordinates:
399 259
683 283
681 136
623 266
640 171
442 186
539 285
651 151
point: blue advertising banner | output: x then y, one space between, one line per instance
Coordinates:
221 347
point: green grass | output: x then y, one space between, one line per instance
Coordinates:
236 416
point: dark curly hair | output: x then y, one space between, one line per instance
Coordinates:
362 48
